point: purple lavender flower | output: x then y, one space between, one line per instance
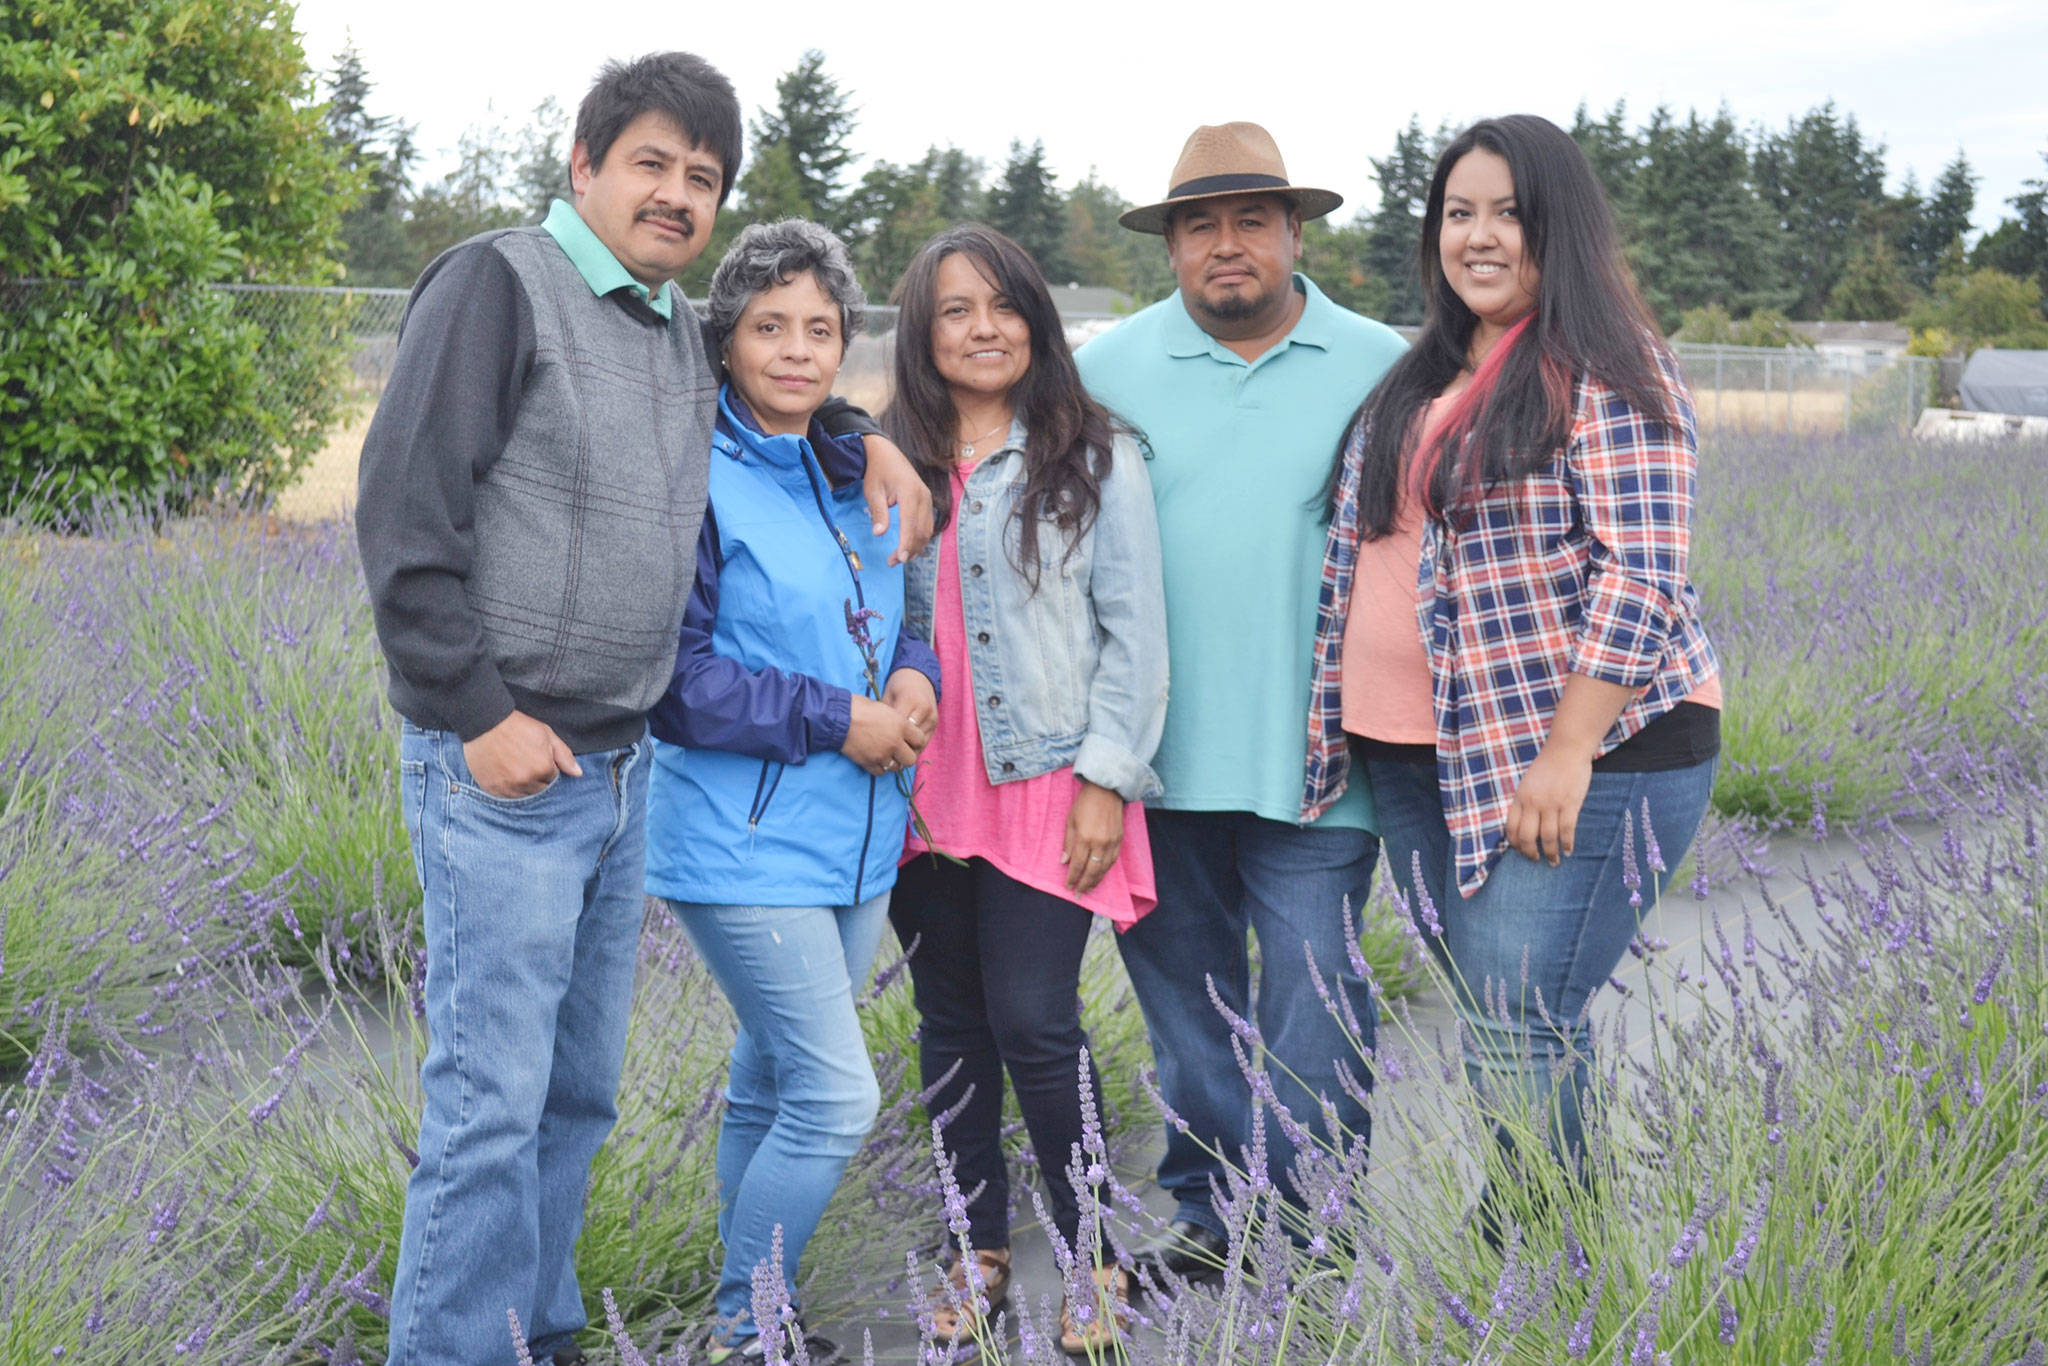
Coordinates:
1580 1339
1752 1230
1425 907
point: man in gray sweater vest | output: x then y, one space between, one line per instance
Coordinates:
528 508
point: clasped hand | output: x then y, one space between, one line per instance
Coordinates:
887 736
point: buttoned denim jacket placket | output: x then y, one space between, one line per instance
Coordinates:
1034 711
1010 705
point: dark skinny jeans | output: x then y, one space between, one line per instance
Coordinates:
997 978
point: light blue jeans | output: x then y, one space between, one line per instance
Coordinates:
801 1095
1538 942
533 910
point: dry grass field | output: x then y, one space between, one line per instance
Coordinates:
1753 410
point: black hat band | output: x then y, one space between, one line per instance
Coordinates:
1240 181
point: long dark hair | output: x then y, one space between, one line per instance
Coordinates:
1517 413
1068 434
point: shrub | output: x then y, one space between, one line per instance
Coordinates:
154 148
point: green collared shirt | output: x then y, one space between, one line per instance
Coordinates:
594 260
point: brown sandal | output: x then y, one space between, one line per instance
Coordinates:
954 1317
1109 1319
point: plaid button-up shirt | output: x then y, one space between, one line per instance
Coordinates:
1577 568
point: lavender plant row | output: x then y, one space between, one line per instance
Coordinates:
208 975
1832 1147
1875 603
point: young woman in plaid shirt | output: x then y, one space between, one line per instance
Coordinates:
1508 640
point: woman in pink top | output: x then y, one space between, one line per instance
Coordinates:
1043 599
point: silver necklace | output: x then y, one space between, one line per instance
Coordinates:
967 447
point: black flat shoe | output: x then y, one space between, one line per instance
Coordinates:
1185 1249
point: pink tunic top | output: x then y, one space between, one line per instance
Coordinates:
1387 689
1020 827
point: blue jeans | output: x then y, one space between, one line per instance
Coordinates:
801 1094
533 911
1541 940
1219 873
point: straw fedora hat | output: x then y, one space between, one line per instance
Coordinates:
1228 159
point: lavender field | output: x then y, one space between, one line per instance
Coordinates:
1832 1149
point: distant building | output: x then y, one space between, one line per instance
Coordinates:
1884 340
1091 301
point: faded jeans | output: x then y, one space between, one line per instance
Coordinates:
801 1094
1541 941
533 910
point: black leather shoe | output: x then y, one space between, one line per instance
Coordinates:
1185 1249
572 1355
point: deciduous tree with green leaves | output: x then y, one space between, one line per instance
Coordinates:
148 149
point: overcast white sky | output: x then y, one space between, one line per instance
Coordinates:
1116 87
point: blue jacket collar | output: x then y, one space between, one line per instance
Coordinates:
737 434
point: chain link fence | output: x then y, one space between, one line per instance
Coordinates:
326 485
1792 389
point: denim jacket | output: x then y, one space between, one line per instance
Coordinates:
1074 673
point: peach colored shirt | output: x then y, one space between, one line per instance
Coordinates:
1387 690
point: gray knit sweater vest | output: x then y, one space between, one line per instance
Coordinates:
586 527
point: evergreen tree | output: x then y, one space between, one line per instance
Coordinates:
379 150
1873 285
1700 236
2019 245
813 120
1944 219
1815 178
1616 156
773 187
1025 203
1395 227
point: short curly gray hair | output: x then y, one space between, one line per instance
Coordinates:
769 254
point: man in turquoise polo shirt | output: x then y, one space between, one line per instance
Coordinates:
1243 382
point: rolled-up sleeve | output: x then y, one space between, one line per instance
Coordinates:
1635 479
1127 699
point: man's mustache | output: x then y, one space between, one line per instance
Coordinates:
680 217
